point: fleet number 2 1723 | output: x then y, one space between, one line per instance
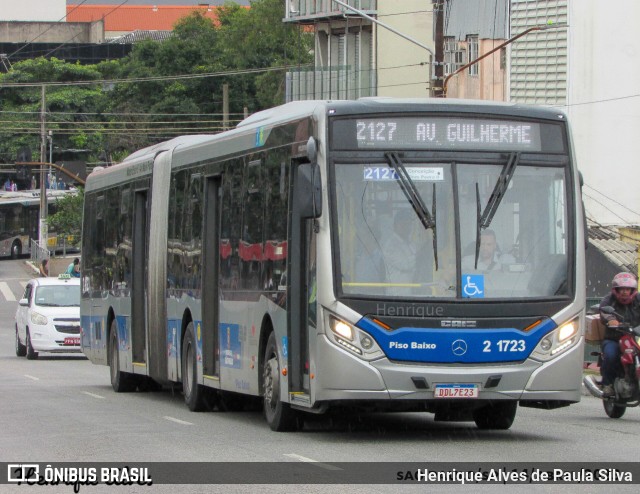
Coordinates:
505 346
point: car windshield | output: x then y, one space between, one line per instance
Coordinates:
58 296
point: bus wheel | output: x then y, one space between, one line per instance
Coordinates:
21 350
194 393
31 353
612 410
279 415
16 250
121 381
496 415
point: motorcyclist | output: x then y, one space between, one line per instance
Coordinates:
625 300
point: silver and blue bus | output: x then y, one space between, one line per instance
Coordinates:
377 254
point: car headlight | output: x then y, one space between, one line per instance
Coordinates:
558 341
38 319
353 339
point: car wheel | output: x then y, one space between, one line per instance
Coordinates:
31 353
21 350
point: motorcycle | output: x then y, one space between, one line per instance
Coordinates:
626 386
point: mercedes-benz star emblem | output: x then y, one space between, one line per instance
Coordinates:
459 347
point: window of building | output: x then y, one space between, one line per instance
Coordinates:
472 52
453 55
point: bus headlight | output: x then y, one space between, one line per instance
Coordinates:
558 341
353 339
341 328
38 319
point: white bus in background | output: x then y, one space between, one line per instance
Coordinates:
332 254
20 219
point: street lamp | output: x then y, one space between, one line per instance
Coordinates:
502 45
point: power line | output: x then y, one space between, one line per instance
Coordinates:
598 101
613 200
154 78
607 208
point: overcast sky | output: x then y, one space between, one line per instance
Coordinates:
154 2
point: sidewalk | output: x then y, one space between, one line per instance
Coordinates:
57 265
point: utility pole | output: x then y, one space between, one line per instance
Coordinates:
438 12
225 106
43 233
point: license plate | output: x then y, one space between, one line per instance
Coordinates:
72 341
456 391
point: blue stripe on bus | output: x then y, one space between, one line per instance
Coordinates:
467 346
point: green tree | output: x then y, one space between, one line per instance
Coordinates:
68 107
117 118
67 219
254 38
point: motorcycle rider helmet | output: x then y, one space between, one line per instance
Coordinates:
624 280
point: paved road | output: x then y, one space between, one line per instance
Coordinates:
61 408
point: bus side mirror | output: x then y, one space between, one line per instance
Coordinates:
308 191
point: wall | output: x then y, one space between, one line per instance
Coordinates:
47 32
398 60
604 105
489 84
33 10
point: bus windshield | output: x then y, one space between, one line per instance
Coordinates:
386 251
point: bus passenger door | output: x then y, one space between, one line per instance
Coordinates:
139 277
302 292
210 274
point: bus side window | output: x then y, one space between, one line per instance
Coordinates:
276 185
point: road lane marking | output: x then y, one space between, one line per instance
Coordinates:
33 378
316 463
94 395
6 291
23 284
177 421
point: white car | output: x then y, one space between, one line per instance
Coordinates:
48 317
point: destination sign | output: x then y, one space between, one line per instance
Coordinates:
446 133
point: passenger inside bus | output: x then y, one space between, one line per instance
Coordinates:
399 254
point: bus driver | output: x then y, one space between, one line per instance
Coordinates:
489 258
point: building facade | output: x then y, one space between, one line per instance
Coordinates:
473 28
356 57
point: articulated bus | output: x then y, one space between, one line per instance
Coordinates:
20 220
377 254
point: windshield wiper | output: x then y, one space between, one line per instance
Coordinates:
413 196
502 184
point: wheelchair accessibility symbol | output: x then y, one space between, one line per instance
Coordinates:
473 286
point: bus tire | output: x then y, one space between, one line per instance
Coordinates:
496 415
31 353
279 415
612 410
21 350
16 249
194 393
121 382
